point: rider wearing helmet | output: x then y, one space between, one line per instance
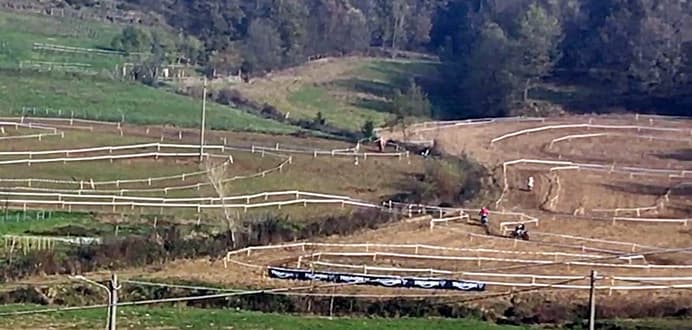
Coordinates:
484 215
520 229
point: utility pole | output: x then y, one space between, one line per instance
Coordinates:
113 303
592 301
204 118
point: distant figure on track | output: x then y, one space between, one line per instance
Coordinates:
425 153
382 143
520 232
529 184
484 216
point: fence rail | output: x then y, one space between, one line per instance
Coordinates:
595 126
532 279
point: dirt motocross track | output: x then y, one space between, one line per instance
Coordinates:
611 194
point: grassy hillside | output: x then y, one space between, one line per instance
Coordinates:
93 96
105 99
18 33
194 318
347 91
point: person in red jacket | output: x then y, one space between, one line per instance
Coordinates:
484 215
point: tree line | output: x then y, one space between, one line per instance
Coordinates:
496 51
637 50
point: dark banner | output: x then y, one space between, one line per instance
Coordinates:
379 280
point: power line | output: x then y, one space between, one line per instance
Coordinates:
168 300
180 286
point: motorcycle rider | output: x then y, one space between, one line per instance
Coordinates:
520 230
484 215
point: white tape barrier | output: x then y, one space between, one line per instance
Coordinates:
479 259
111 149
475 275
210 200
565 165
106 157
26 204
532 277
39 136
417 248
164 190
584 136
588 126
350 152
436 125
28 125
462 216
660 203
30 136
148 181
602 167
652 220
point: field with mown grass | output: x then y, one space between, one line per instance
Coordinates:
19 32
195 318
92 97
91 93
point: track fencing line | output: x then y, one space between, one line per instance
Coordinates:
652 220
28 126
583 136
149 180
110 149
562 165
660 203
27 204
288 160
465 275
568 263
595 126
418 247
532 283
351 151
30 136
291 193
107 157
432 125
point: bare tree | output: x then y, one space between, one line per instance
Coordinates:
216 176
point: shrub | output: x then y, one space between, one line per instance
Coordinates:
319 120
228 96
368 129
447 181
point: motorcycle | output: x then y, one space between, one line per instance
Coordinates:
520 234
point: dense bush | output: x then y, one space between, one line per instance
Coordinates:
167 243
445 181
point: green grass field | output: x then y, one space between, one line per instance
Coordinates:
18 33
104 99
194 318
16 223
95 97
66 224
